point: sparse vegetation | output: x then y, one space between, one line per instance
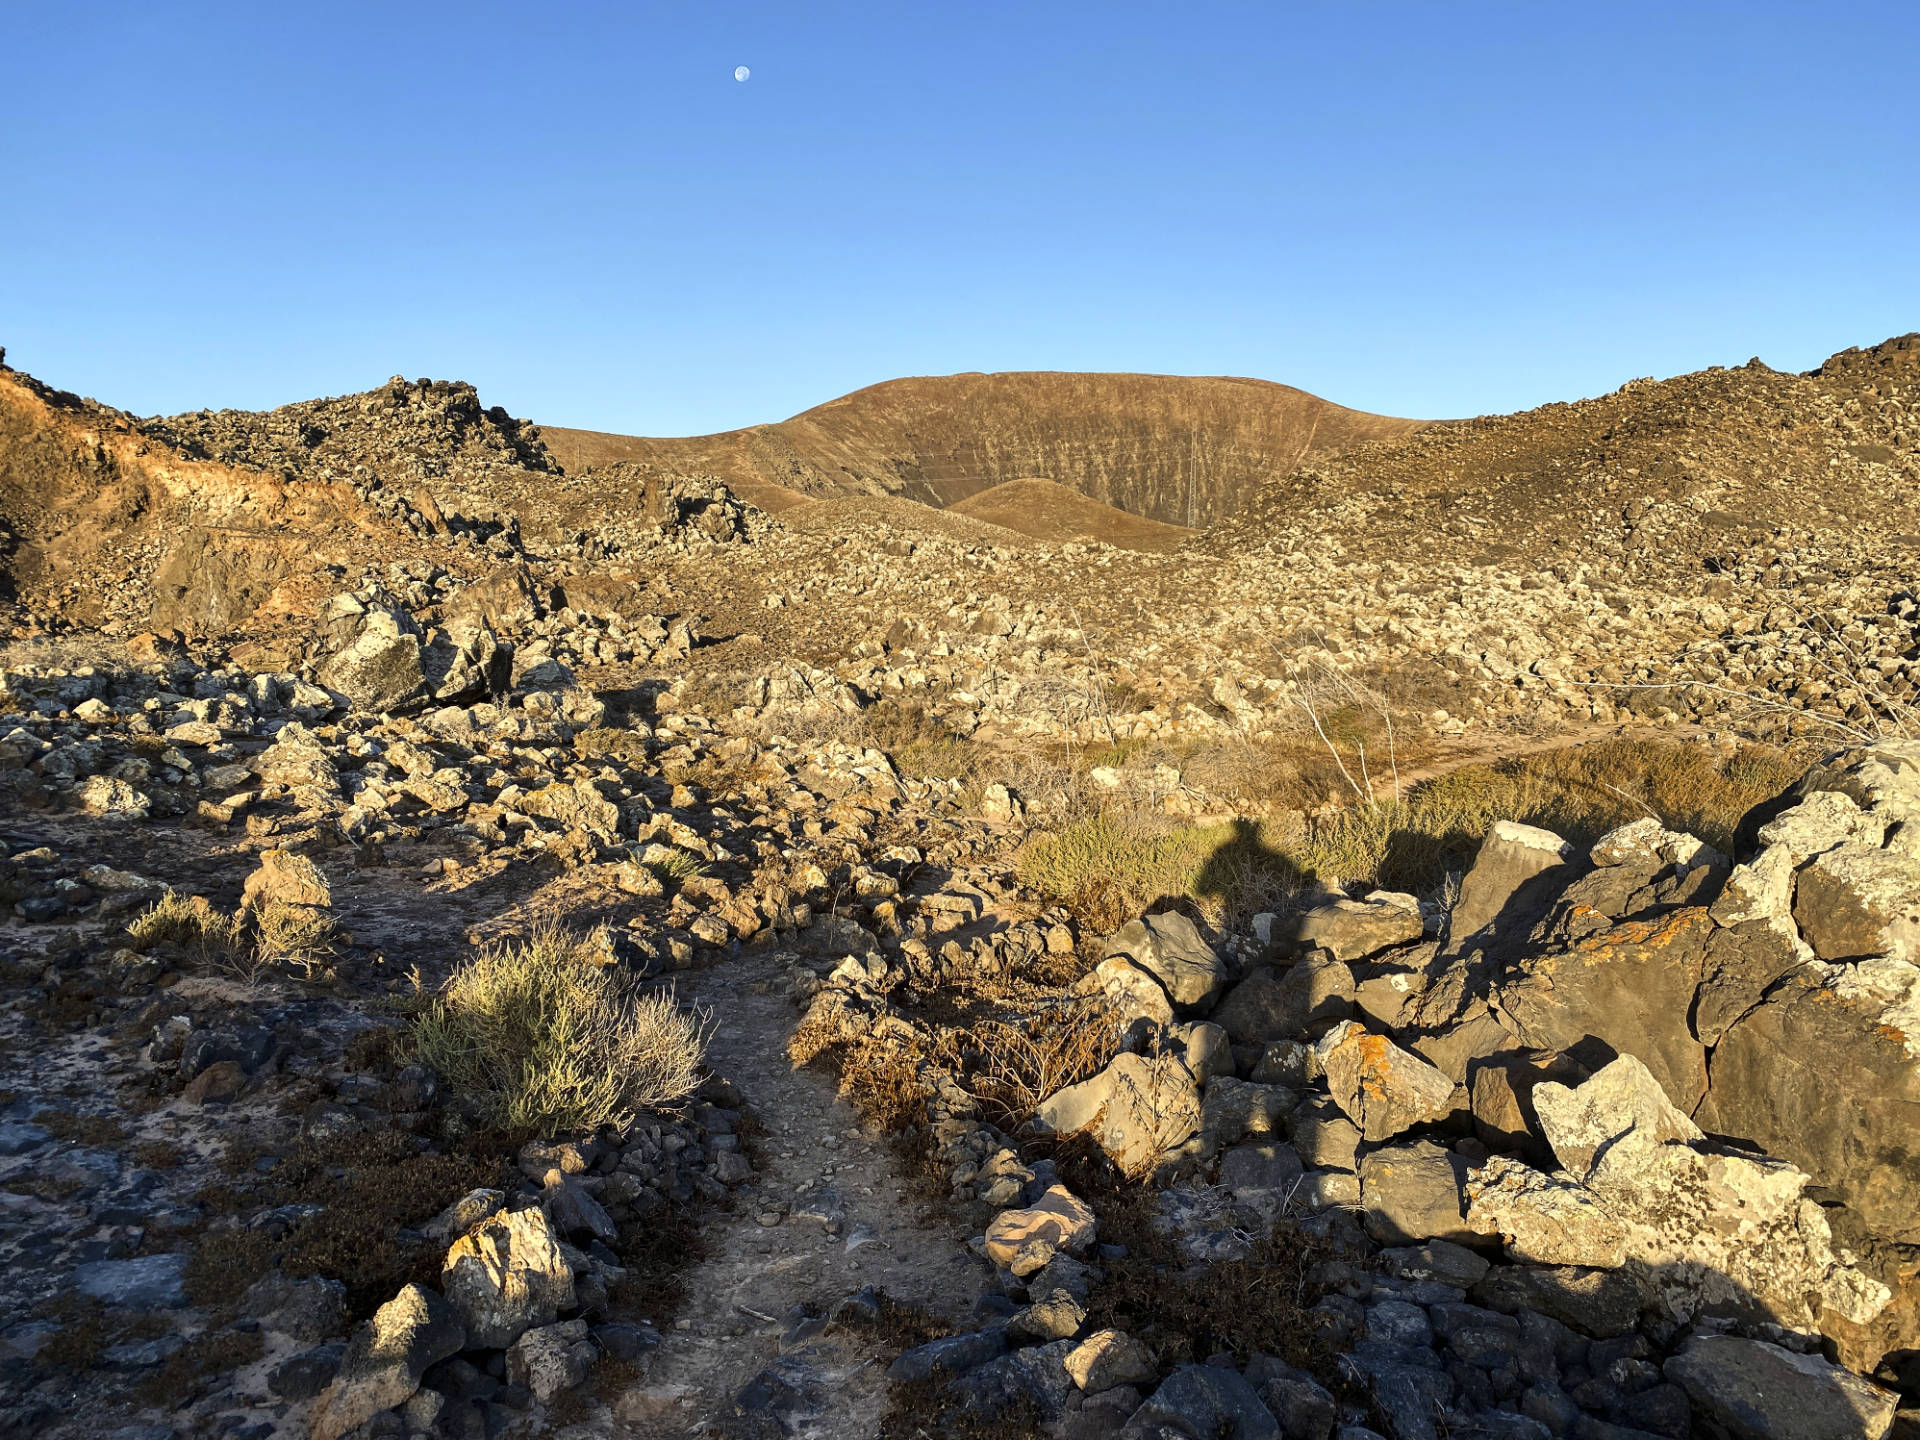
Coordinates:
294 937
271 938
673 866
1126 861
368 1189
547 1040
189 921
1018 1066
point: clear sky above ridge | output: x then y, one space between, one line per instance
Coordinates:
1418 208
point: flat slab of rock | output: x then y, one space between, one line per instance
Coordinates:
1204 1400
1358 929
1825 820
1510 859
288 878
1291 1004
1631 985
1757 1391
147 1282
1415 1192
1544 1219
1826 1073
1137 1110
1858 901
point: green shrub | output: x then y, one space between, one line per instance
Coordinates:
549 1040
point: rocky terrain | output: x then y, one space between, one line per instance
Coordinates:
308 718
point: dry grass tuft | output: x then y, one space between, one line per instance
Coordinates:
549 1041
1114 865
673 866
294 937
1580 793
210 936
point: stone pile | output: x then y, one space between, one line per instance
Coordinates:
1625 1140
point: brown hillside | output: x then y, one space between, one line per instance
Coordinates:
1180 449
101 519
1697 467
1049 511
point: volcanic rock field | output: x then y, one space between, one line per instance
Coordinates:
1018 905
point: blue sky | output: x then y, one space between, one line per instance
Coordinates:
1425 209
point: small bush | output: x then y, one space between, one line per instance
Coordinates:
673 866
207 934
293 937
548 1040
1021 1065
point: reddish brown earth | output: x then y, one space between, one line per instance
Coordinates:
1181 449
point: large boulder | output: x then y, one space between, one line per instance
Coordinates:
1631 986
385 1360
1858 901
1743 962
1132 995
1825 820
1203 1400
380 667
1883 777
1414 1192
1753 1390
506 1276
1294 1004
503 598
1169 948
1517 869
1709 1228
1581 1120
1544 1219
1232 1110
1501 1088
1826 1074
1140 1111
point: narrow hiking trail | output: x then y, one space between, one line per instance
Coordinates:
829 1214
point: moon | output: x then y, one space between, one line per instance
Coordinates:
740 72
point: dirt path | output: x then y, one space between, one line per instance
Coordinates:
829 1214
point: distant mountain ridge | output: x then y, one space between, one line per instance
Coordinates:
1183 450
